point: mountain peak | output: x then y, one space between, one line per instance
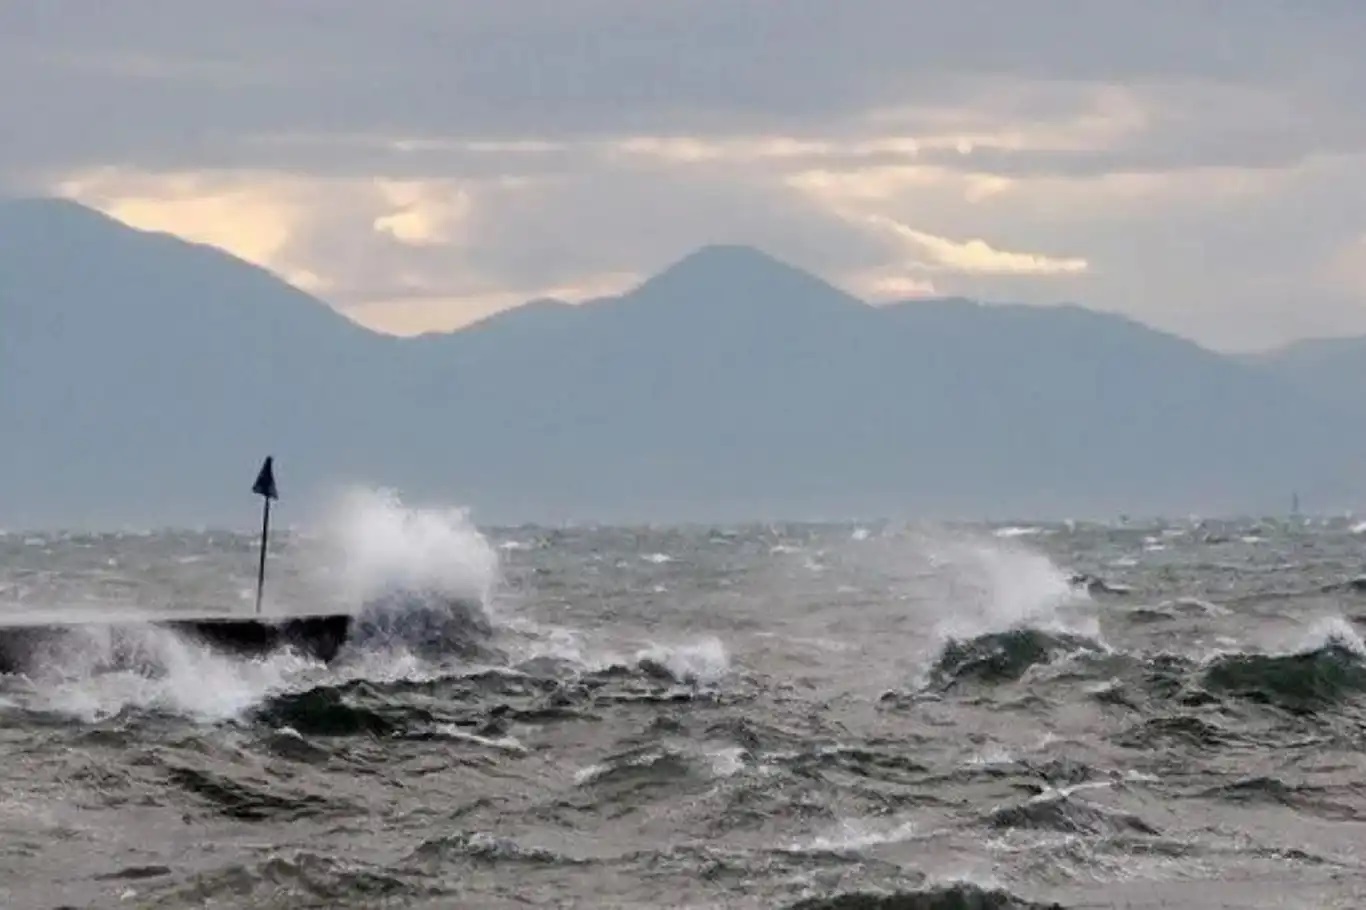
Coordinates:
713 254
731 259
730 274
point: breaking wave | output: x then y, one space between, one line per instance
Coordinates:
379 546
1062 812
94 672
995 586
999 657
701 662
717 743
1328 669
419 583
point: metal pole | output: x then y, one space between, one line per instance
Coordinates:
261 570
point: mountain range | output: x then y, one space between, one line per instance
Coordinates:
143 377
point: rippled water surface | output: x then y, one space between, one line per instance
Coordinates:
769 716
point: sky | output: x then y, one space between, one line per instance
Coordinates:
1197 165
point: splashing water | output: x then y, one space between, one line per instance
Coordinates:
702 662
994 586
97 672
1330 631
374 547
383 545
856 834
419 579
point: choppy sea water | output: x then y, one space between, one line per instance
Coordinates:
770 716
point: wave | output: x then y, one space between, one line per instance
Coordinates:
1185 730
428 705
1019 531
1059 811
1300 683
994 587
430 624
247 802
1173 610
643 774
1311 800
702 662
857 834
472 704
309 877
865 762
487 848
944 897
419 583
91 673
1327 671
1001 657
335 711
375 545
1094 584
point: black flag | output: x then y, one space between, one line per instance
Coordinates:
265 481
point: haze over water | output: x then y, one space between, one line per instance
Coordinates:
748 716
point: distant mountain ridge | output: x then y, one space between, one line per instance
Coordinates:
142 376
1329 370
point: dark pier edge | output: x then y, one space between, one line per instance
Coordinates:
318 637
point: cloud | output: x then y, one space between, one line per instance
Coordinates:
393 253
977 256
887 284
1158 246
417 313
426 160
423 215
253 216
168 85
1345 268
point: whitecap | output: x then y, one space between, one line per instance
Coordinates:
854 834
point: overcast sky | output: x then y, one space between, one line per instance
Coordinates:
1198 165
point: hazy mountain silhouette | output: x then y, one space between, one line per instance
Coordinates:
1333 370
142 377
140 373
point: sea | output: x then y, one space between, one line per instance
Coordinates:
839 716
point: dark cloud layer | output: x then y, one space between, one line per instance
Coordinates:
165 83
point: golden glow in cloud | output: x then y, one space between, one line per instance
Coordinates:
841 188
423 214
275 221
376 246
252 217
1346 267
882 285
444 313
976 256
1106 116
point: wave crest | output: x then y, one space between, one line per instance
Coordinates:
1301 683
1001 657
